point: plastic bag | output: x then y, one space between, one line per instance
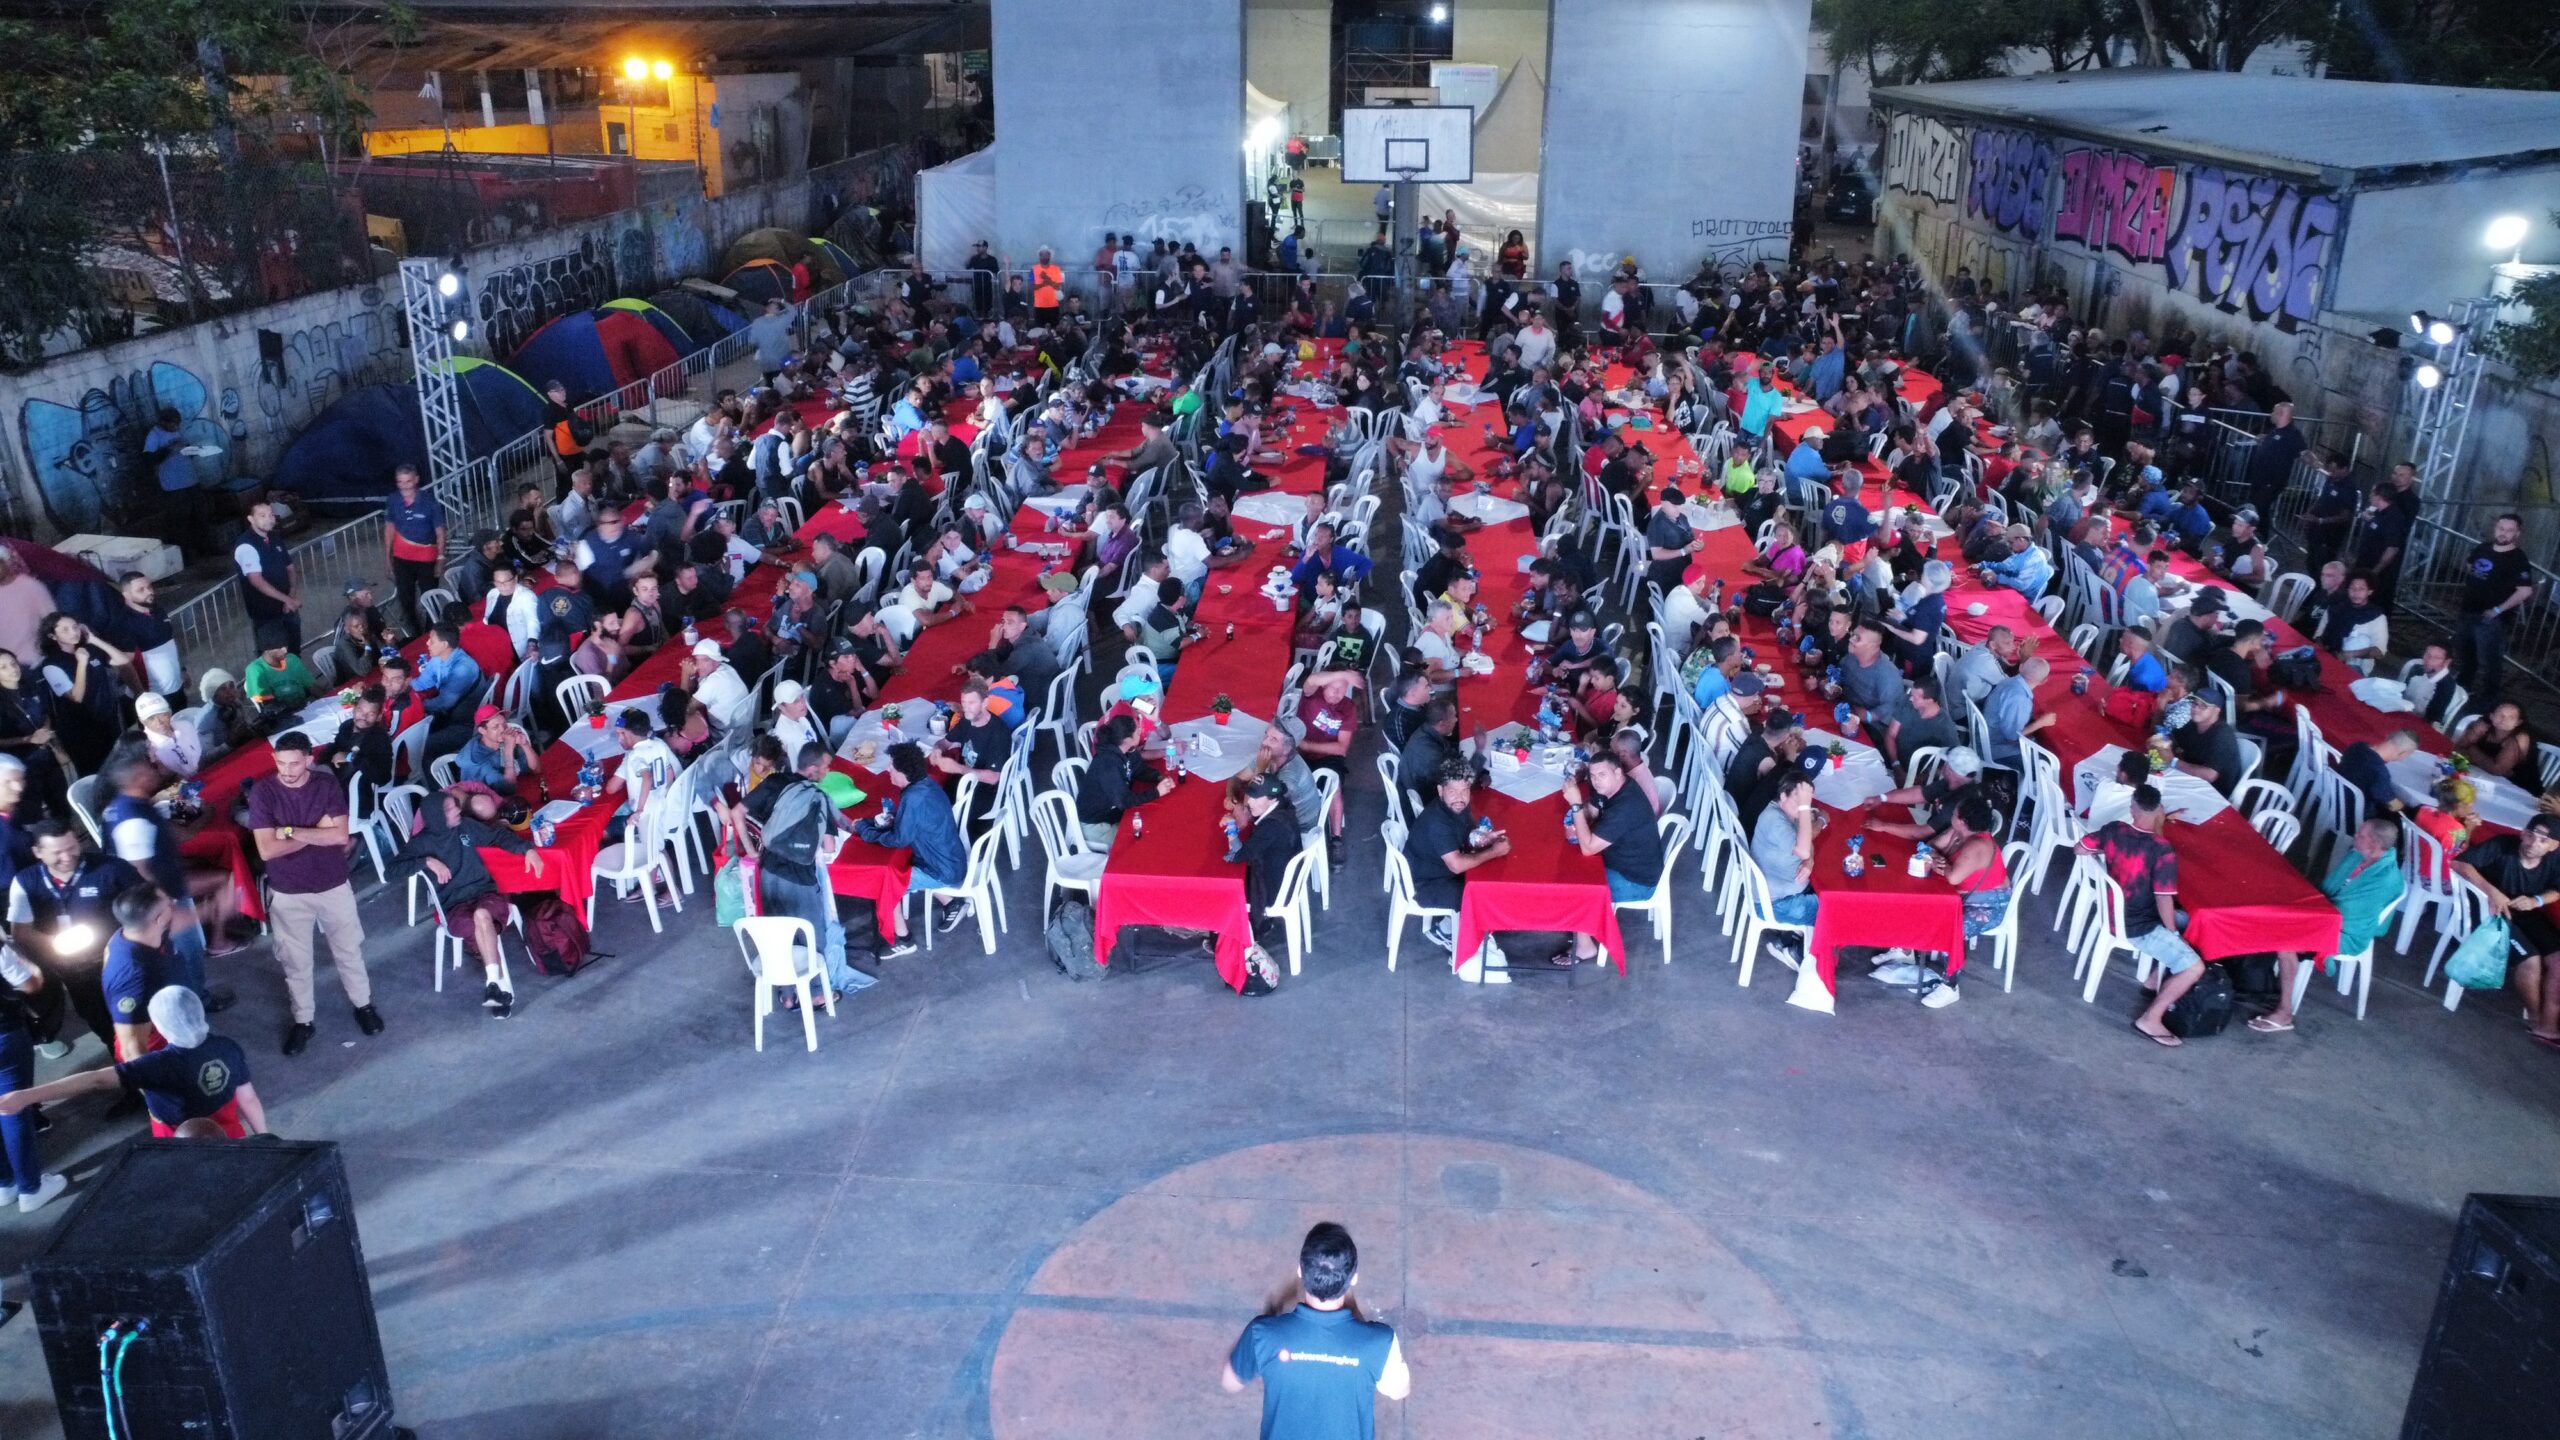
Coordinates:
733 891
2480 961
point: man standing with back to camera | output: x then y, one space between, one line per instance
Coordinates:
1319 1359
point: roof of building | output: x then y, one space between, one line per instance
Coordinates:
2331 130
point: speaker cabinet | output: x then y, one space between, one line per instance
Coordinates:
2491 1370
235 1268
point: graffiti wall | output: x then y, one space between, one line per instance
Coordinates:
2012 176
2247 245
1923 157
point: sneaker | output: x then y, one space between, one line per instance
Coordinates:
1895 956
956 916
297 1036
1939 995
1899 973
1441 933
53 1049
218 998
1786 952
501 1003
368 1020
30 1201
493 997
899 950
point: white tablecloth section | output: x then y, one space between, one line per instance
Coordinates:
2182 794
1213 751
2500 802
1860 776
1487 509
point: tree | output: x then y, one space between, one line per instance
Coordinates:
2443 42
111 106
2532 345
1906 42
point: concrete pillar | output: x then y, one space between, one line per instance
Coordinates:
1671 132
1119 115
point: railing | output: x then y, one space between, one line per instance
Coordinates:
2431 583
214 630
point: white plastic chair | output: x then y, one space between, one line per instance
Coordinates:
1674 829
2253 798
641 855
2354 971
1401 906
1387 762
88 798
1289 907
782 951
2096 903
2286 593
2431 889
446 771
1072 863
459 945
372 823
580 695
1758 924
978 887
2279 827
2004 936
409 752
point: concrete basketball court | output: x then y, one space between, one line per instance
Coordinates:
996 1204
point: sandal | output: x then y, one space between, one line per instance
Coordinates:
2269 1025
2170 1041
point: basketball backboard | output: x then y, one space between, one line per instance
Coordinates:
1432 144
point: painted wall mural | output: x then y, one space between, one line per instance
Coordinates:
2012 176
1923 157
521 299
86 458
2249 242
2117 202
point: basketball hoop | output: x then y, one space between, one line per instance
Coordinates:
1405 173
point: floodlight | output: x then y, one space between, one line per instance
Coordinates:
662 70
461 331
448 284
2429 377
2506 232
636 68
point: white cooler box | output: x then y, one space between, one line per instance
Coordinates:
115 554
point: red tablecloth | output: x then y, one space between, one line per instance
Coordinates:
1177 875
1883 906
560 872
2243 898
864 871
223 844
1545 883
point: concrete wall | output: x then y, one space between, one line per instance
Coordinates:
1513 35
1288 55
247 383
1120 115
1670 131
2419 247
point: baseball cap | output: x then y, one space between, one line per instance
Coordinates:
487 713
786 691
706 650
1963 761
1746 684
805 577
1265 787
149 705
2209 601
356 584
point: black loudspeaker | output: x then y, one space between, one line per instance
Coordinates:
2491 1370
235 1269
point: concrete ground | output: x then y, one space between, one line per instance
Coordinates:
998 1204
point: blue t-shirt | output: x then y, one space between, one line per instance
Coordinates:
1848 521
180 1085
2146 673
416 521
133 974
1713 685
1319 1371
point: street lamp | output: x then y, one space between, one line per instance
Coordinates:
662 70
2507 233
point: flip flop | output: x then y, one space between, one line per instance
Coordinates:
2268 1025
2171 1041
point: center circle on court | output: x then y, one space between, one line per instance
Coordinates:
1533 1295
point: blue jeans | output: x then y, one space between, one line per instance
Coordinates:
187 947
816 904
1623 891
919 882
1796 909
18 1132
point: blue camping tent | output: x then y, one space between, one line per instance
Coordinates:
659 320
566 350
344 457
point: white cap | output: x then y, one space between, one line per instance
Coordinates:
786 691
706 650
149 706
1962 760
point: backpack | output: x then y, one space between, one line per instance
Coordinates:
798 818
554 936
1070 940
2205 1009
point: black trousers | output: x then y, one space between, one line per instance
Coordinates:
411 578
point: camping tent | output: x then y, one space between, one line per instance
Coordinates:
955 209
783 247
79 589
705 320
345 456
659 320
760 280
826 252
594 352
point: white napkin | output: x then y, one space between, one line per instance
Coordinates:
1214 751
1487 509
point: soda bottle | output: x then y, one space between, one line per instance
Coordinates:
1137 826
1231 629
1855 862
1235 840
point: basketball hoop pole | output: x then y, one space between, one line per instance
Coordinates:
1408 257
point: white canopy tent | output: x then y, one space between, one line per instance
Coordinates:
955 209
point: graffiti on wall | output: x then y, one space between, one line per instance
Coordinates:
2115 201
521 299
301 371
2253 243
1188 214
1923 157
86 457
2012 174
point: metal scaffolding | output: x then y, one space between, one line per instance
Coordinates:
432 311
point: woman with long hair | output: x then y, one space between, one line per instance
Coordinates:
27 732
83 672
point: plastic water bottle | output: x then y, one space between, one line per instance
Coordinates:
1831 676
1855 862
1840 715
1568 820
1235 840
1919 866
1483 835
888 810
692 635
2080 682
